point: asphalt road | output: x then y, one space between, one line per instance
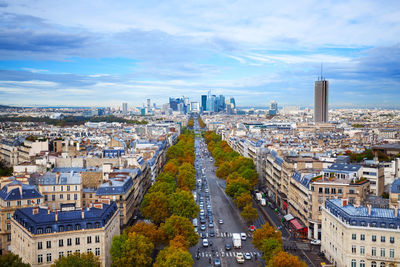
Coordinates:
222 208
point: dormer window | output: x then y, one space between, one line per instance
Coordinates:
39 231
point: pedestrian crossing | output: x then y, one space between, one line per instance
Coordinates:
226 254
224 234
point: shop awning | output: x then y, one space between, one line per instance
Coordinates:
288 217
296 224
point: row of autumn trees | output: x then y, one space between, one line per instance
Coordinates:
190 123
239 173
269 241
169 205
201 123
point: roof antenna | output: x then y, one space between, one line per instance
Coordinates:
321 72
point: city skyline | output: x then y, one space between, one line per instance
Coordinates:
111 53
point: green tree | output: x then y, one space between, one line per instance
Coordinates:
270 247
237 186
177 225
266 231
131 250
243 200
164 187
224 170
155 207
249 213
182 204
78 260
12 260
148 230
171 256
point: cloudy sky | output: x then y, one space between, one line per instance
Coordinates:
101 53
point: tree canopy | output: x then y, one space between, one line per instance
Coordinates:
77 259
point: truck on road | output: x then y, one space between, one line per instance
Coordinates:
258 196
263 202
237 242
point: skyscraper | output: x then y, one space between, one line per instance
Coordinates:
124 108
321 93
204 102
148 104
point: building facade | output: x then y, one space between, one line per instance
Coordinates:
40 236
321 93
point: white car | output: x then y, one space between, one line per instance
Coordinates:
243 236
315 242
205 243
240 257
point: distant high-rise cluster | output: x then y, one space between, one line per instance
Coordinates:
213 103
321 93
125 108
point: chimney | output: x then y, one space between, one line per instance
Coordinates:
58 177
344 202
396 167
369 209
83 213
35 210
56 216
396 211
48 210
376 160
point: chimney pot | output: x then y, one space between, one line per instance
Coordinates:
83 213
369 209
396 211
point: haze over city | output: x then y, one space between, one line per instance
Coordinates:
100 54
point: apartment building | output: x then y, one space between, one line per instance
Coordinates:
360 236
41 236
14 195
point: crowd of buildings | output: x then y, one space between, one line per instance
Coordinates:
73 188
313 173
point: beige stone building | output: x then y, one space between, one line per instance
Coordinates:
360 237
14 195
40 237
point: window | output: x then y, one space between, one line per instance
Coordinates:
351 191
77 241
382 252
353 263
89 239
46 198
48 257
40 258
353 249
362 250
373 264
38 201
61 196
373 251
354 236
374 238
19 203
61 228
68 187
89 250
48 244
29 202
69 252
392 239
320 190
383 239
8 237
75 196
39 245
97 238
8 204
48 230
382 264
78 251
362 237
8 216
8 226
69 241
76 188
54 188
68 197
391 253
326 190
97 252
61 242
362 263
60 254
340 191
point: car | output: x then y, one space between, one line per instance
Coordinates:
239 257
205 243
315 242
220 221
211 225
203 235
243 236
203 227
212 233
252 228
217 262
228 246
247 256
202 212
